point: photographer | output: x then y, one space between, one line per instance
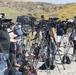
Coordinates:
74 22
18 31
59 33
42 22
13 51
73 38
51 48
64 26
4 42
4 37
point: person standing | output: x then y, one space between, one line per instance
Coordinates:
74 40
19 33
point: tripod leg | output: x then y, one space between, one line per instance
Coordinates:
72 58
58 67
47 67
60 59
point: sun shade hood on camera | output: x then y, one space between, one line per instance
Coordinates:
56 18
64 21
6 20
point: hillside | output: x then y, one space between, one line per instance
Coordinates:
13 9
68 11
14 0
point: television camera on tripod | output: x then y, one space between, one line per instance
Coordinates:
28 21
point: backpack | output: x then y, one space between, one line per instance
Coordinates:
66 59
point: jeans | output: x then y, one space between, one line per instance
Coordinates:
54 48
74 49
14 72
3 63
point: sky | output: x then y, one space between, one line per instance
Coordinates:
57 1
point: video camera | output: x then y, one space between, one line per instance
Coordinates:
51 22
65 24
25 19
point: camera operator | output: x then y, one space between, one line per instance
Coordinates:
4 40
59 33
51 48
18 31
4 37
74 22
64 26
42 22
43 26
73 36
69 23
13 51
52 44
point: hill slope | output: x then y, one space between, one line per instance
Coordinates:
14 0
13 9
68 11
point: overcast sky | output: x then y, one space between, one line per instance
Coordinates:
57 1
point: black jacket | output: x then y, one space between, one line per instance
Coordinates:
5 41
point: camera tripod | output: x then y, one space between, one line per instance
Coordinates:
49 59
66 46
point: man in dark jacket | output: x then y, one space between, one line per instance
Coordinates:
4 36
